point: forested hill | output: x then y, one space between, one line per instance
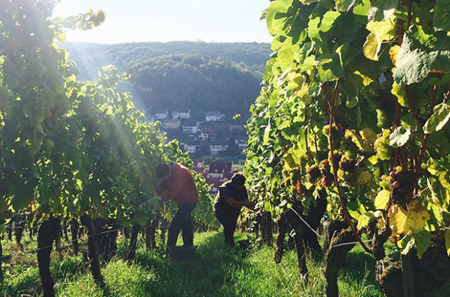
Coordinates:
196 75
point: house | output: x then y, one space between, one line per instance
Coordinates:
215 183
181 114
192 147
171 124
218 146
220 168
190 127
214 116
208 134
240 142
236 128
161 114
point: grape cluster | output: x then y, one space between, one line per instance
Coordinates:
381 118
346 164
327 177
382 146
401 185
313 173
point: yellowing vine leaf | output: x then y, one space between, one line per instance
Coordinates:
382 199
393 52
409 221
372 46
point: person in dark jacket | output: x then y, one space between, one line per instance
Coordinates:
177 184
231 197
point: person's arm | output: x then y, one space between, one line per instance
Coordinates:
176 184
237 204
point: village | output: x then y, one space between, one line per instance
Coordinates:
213 141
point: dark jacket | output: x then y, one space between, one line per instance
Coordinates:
227 190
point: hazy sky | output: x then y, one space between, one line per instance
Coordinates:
171 20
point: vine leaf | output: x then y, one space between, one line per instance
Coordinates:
441 18
409 221
419 54
440 117
399 137
382 9
382 199
385 29
372 46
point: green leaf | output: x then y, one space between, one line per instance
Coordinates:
409 122
313 29
329 67
440 117
441 17
328 20
420 53
372 46
266 136
382 9
346 5
386 29
423 242
399 137
382 199
350 93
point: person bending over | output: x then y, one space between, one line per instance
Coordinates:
231 197
177 184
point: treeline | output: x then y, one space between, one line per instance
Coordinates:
195 75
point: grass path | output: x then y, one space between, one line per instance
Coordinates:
215 271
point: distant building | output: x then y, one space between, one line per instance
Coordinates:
192 147
214 116
208 134
237 128
220 168
240 142
161 114
171 124
190 127
215 183
218 146
181 114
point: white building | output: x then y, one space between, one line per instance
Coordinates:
181 114
214 116
161 114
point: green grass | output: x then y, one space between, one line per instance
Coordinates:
215 271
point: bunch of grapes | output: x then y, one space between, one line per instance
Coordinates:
381 118
401 184
347 169
382 146
313 173
327 177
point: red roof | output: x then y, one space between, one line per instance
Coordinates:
213 181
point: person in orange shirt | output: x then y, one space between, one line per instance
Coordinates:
177 184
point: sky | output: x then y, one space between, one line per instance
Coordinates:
171 20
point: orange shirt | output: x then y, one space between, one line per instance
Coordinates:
178 186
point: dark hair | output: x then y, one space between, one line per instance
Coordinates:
162 170
238 179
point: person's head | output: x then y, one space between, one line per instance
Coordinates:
238 180
163 170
